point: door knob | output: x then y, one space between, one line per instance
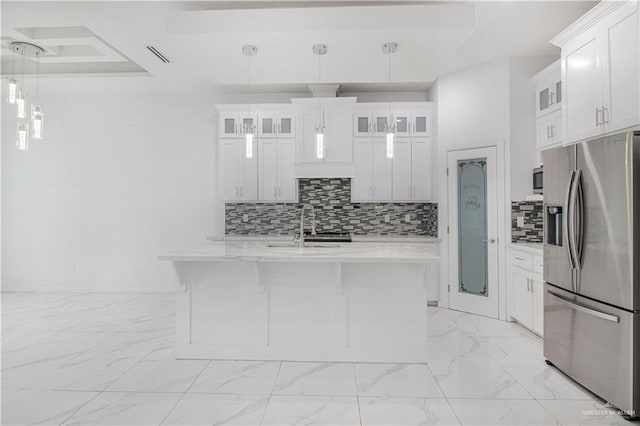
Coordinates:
490 240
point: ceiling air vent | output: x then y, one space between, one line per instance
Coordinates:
158 54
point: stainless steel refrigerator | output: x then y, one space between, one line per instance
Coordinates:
591 265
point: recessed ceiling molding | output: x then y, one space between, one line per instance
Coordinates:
372 18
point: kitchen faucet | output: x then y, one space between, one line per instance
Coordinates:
313 223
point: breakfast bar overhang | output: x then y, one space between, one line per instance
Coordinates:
359 302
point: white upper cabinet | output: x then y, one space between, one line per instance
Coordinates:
373 171
421 169
421 123
402 185
584 87
600 68
235 124
275 172
412 169
622 70
548 89
276 125
238 174
336 115
363 123
408 122
361 186
381 168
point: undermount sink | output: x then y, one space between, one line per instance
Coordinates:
306 245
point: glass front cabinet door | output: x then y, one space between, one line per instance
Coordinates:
362 124
421 123
229 126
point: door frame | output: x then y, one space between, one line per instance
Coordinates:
504 219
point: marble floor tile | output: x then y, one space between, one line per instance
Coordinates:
209 409
501 412
406 411
239 377
159 376
42 407
479 326
476 376
91 371
312 410
584 413
545 382
400 380
115 408
310 378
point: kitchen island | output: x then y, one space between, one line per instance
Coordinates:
260 300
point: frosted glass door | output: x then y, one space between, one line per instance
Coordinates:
472 226
473 221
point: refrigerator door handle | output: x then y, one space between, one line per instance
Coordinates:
568 220
578 236
589 311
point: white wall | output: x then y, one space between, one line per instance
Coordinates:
472 111
491 104
123 175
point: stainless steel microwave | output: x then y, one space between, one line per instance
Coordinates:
537 180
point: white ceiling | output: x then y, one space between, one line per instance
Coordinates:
203 39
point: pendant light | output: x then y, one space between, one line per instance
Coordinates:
320 49
17 95
37 125
389 48
249 130
13 84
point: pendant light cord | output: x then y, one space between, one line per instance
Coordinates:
389 90
250 92
320 121
38 78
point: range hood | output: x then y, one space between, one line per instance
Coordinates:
323 170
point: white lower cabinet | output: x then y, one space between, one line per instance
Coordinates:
276 181
238 174
526 290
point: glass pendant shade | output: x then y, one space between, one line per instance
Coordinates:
37 122
22 137
21 111
248 152
13 91
390 137
320 145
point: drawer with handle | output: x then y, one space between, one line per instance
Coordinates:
522 259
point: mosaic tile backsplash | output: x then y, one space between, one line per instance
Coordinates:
532 232
334 213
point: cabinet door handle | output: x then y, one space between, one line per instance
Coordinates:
519 258
597 117
410 123
605 119
548 132
240 192
279 191
551 130
550 98
528 288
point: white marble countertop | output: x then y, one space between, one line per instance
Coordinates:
535 248
355 252
355 238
